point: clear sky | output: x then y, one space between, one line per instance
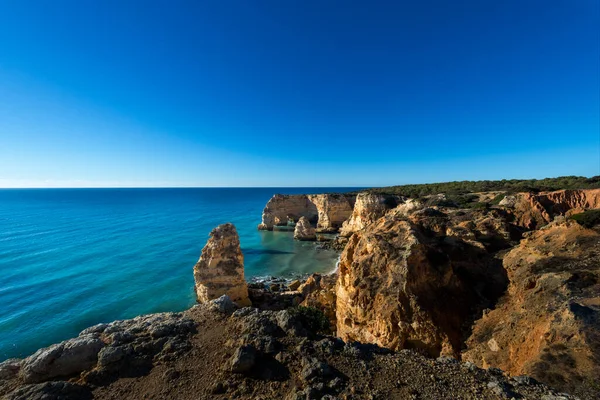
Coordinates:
296 93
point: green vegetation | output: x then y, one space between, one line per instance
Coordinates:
588 218
512 186
311 317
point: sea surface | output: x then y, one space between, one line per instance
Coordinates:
72 258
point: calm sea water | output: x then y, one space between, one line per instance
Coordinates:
71 258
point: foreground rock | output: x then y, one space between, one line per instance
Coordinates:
101 354
404 283
220 269
304 231
548 323
265 355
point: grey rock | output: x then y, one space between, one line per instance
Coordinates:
51 391
290 324
243 359
313 369
223 305
64 359
244 311
523 380
10 368
99 328
111 355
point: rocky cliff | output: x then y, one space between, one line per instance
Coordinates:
532 211
406 283
368 208
547 325
327 211
220 269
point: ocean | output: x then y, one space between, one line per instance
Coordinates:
72 258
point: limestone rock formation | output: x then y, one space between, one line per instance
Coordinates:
304 231
401 284
220 269
282 208
328 211
319 292
333 210
547 324
367 208
532 210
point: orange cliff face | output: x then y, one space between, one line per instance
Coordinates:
532 211
402 285
548 323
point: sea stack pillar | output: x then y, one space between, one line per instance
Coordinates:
220 269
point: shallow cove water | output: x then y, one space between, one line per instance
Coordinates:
71 258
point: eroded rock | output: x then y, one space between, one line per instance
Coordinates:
64 359
546 325
370 207
220 269
401 284
304 231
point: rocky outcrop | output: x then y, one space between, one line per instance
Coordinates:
104 351
319 292
333 210
368 208
401 284
63 359
254 354
304 231
220 269
327 211
547 324
532 210
281 209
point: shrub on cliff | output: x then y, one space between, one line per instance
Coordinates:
511 185
311 317
588 219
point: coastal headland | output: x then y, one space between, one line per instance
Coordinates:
439 293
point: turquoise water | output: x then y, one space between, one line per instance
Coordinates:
71 258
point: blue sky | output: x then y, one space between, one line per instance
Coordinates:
296 93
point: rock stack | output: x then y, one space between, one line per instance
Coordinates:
304 231
220 269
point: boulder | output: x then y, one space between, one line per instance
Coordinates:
304 231
220 269
243 360
64 359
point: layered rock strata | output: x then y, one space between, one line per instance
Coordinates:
532 210
220 269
